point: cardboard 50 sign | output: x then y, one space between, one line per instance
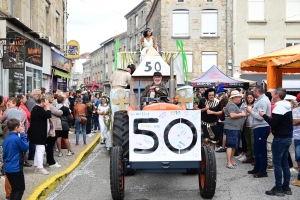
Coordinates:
164 135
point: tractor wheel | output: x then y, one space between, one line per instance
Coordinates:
208 176
121 131
117 181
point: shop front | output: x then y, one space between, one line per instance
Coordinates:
22 64
61 68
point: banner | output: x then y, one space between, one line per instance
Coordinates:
13 56
164 135
34 53
73 51
60 61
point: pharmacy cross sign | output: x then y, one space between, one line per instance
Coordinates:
122 100
182 97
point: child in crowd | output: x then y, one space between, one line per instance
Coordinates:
13 147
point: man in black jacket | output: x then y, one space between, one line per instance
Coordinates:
282 129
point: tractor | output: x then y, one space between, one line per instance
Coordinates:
163 137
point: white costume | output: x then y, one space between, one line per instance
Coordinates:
103 128
146 44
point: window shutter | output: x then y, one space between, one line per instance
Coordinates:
180 23
209 22
292 10
256 47
256 10
208 60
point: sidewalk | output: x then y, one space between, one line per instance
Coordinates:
38 185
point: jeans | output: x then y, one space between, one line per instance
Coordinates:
17 183
260 148
280 151
96 122
83 130
31 150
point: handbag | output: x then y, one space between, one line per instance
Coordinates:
51 132
82 119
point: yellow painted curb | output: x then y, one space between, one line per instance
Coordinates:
43 190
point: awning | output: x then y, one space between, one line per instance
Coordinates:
289 85
62 74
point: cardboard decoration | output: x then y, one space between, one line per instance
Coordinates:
164 135
185 95
119 99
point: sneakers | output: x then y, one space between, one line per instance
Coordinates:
60 154
70 153
239 156
70 132
76 144
230 167
270 167
287 191
243 158
221 150
84 143
41 171
56 165
253 171
293 170
247 161
56 150
275 192
260 175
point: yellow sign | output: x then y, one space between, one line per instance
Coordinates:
73 51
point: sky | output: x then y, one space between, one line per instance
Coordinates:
91 22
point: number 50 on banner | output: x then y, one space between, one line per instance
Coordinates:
164 135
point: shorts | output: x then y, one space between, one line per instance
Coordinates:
232 138
62 134
212 133
297 150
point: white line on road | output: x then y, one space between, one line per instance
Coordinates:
75 173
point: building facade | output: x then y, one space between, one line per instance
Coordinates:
262 26
203 26
136 24
33 38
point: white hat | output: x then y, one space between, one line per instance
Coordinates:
235 93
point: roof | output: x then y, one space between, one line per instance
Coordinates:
287 59
151 10
134 9
18 23
119 35
112 38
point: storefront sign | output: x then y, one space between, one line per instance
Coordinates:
60 61
34 53
14 56
16 82
73 50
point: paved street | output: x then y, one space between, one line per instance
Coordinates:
91 181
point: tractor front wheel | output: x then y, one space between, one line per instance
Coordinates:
208 175
117 180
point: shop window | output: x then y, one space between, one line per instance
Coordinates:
256 47
181 23
292 42
256 10
209 22
208 60
292 10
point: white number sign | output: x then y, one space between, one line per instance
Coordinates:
164 135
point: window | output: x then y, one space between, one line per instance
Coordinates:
256 10
136 21
292 10
180 23
130 43
209 23
256 47
209 0
180 0
208 60
189 59
291 42
136 41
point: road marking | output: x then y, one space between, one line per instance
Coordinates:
75 173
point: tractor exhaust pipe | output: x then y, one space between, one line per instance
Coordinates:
172 82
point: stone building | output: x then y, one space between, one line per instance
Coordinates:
136 24
262 26
201 24
40 60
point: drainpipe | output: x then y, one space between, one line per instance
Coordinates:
232 39
226 19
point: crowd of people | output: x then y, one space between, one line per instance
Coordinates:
39 124
262 126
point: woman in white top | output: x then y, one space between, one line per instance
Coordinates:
147 41
103 111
